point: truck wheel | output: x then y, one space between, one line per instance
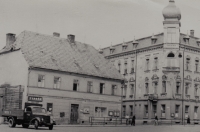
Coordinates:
11 122
25 125
51 127
36 124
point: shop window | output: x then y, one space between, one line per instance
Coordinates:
50 108
146 113
131 110
114 87
196 112
100 112
154 110
89 87
57 81
41 80
164 87
146 88
124 110
75 85
171 55
177 107
163 111
102 88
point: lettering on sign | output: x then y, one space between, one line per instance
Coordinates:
37 99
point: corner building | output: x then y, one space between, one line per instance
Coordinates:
161 72
69 78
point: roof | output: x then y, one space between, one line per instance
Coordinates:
49 52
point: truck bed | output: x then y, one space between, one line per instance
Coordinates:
13 112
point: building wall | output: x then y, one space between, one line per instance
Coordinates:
63 97
14 70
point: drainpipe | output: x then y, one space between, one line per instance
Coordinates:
183 86
29 71
135 80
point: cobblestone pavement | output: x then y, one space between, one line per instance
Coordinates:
142 128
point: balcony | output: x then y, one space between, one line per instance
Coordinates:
171 69
177 96
153 97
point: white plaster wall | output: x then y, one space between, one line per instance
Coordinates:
14 70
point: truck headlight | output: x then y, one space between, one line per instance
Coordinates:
42 119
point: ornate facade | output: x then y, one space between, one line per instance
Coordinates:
161 72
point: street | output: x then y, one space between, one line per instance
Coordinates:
141 128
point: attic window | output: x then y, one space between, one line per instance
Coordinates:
171 55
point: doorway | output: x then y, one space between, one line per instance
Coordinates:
74 114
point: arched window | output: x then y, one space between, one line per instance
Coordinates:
171 55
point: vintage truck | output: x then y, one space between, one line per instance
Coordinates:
32 114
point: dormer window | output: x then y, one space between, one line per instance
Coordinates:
198 42
186 39
112 49
153 39
135 43
124 46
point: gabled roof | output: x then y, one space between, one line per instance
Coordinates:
48 52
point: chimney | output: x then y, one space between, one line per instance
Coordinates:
192 33
56 34
71 38
10 39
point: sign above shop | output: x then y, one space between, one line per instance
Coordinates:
33 98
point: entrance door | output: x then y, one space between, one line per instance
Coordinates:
74 114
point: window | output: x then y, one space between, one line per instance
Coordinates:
171 35
131 110
195 90
102 88
177 87
100 112
75 85
155 87
125 67
57 81
146 114
124 90
89 87
156 63
113 92
131 89
170 55
154 110
119 67
186 88
146 88
177 110
147 64
50 108
163 111
196 65
164 87
132 67
124 110
196 112
41 80
187 63
186 109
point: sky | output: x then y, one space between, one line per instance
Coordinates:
99 23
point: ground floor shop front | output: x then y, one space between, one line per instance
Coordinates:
166 110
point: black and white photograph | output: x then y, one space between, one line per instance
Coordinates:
100 65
